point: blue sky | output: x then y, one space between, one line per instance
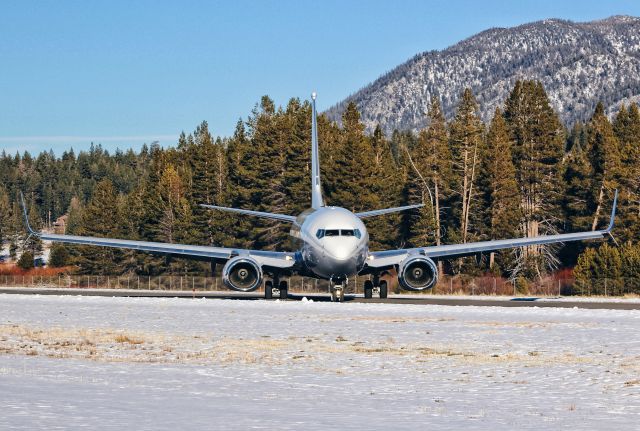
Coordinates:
126 72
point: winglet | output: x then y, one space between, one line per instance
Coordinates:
26 217
613 213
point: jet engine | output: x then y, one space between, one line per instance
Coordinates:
242 273
417 273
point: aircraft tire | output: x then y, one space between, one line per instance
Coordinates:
284 289
268 290
368 289
383 289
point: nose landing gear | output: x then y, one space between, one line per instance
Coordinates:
337 290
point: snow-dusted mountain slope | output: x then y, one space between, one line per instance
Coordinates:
579 64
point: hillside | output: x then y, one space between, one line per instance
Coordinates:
579 64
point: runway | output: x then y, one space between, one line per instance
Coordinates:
71 362
546 302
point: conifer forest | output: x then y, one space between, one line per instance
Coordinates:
525 173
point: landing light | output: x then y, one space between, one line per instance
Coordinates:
370 257
288 257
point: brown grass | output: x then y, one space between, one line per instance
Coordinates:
124 338
11 269
118 345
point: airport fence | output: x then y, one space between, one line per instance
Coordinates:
448 285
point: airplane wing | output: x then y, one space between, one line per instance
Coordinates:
271 259
388 258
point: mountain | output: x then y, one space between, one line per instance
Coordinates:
578 63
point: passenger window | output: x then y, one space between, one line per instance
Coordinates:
320 233
332 232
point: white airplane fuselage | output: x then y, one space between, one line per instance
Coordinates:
333 242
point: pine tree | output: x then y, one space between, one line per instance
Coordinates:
430 177
387 181
5 217
501 192
26 260
202 158
101 217
239 185
630 268
267 162
297 136
605 158
538 148
354 166
627 129
465 139
58 256
34 243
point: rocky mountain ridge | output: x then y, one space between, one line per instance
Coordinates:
578 63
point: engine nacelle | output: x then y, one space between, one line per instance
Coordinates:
417 273
242 273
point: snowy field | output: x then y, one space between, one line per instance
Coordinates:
147 363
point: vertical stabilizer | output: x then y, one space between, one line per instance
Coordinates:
316 187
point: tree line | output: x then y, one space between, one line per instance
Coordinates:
522 174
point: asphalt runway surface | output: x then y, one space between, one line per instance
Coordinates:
318 297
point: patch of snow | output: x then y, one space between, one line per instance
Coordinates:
167 363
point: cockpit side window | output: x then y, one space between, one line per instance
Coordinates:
320 233
357 233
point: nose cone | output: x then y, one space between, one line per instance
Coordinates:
340 248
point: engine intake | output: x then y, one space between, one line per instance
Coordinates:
242 274
417 273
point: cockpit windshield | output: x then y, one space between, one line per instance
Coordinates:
321 233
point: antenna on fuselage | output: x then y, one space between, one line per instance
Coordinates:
316 187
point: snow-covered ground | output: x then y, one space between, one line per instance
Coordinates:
161 363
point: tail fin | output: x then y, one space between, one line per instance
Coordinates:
316 187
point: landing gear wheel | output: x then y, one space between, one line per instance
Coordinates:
268 290
368 289
383 289
284 289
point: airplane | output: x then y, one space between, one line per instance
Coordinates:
333 244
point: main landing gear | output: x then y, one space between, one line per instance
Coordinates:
281 291
376 285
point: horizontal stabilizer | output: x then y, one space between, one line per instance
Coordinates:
387 211
273 216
